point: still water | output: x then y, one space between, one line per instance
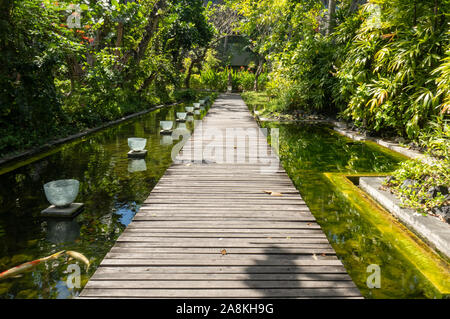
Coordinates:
112 187
306 152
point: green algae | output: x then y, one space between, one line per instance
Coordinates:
433 268
307 152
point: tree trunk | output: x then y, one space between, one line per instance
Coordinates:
355 4
330 18
149 31
75 72
436 11
147 82
257 74
119 39
187 80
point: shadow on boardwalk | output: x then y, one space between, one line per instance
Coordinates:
279 276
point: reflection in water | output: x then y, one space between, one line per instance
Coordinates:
62 230
166 140
137 165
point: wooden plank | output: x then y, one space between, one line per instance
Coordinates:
217 219
108 276
155 269
217 262
217 244
217 284
230 251
217 256
229 224
142 231
222 293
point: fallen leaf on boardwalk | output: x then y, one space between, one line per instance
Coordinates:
309 224
276 194
314 257
223 251
323 255
288 237
272 193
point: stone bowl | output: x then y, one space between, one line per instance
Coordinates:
202 102
181 115
196 105
189 109
63 192
136 143
166 125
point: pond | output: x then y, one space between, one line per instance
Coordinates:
306 152
112 187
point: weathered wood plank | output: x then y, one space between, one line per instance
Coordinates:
223 293
216 244
119 276
155 269
217 284
217 262
217 251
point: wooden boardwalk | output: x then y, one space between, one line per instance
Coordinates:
209 229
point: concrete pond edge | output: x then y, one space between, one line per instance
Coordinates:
341 128
435 232
37 150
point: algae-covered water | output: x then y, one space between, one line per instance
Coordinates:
112 187
306 152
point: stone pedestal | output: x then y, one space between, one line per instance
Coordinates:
137 154
66 212
165 132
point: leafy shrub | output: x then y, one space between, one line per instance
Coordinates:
421 177
185 95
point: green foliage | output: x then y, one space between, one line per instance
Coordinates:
185 95
57 78
436 139
424 176
388 75
386 67
242 80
